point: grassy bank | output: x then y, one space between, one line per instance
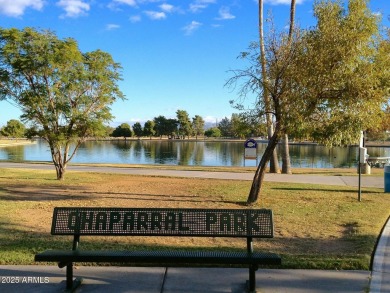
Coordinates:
316 226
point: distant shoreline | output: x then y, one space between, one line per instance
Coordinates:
26 141
15 142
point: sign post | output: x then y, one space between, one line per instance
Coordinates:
250 150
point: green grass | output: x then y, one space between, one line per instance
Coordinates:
316 226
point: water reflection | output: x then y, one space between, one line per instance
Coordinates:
200 153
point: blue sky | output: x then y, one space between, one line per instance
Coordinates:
175 54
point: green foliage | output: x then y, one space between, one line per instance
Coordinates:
213 132
123 130
198 125
137 128
14 128
65 92
336 79
149 128
328 82
185 126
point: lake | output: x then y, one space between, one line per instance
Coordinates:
190 153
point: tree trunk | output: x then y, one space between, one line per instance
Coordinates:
286 162
60 169
274 161
274 165
260 172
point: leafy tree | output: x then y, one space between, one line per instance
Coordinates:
324 81
160 125
185 126
65 92
239 126
213 132
123 130
14 128
171 127
164 126
225 126
137 128
149 128
198 125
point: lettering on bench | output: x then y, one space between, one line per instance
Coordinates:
129 221
224 222
149 221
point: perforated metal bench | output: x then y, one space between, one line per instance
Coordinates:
244 223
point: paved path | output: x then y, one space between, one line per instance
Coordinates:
126 279
367 181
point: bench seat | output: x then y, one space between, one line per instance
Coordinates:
160 257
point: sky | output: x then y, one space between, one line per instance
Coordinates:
175 54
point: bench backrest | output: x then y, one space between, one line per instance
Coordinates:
163 222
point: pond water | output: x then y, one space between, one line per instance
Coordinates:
191 153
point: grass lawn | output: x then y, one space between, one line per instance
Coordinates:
316 226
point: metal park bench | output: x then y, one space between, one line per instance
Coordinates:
243 223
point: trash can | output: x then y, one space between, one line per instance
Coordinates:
387 178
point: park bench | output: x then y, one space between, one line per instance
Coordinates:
244 223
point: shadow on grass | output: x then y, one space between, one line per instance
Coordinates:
308 189
53 193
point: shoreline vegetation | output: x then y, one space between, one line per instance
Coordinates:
6 142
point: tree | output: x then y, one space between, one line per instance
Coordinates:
274 164
65 92
149 128
137 128
323 81
164 126
225 126
160 125
14 128
198 125
185 126
123 130
213 132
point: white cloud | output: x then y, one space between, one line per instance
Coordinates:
285 2
199 5
126 2
135 18
155 15
15 8
73 8
112 26
167 7
224 13
193 26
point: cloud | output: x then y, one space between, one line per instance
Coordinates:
285 2
193 26
167 7
135 18
112 26
126 2
199 5
15 8
155 15
224 13
73 8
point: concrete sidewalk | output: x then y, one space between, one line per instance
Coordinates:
178 280
367 181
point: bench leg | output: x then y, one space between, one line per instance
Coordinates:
69 276
252 279
71 284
